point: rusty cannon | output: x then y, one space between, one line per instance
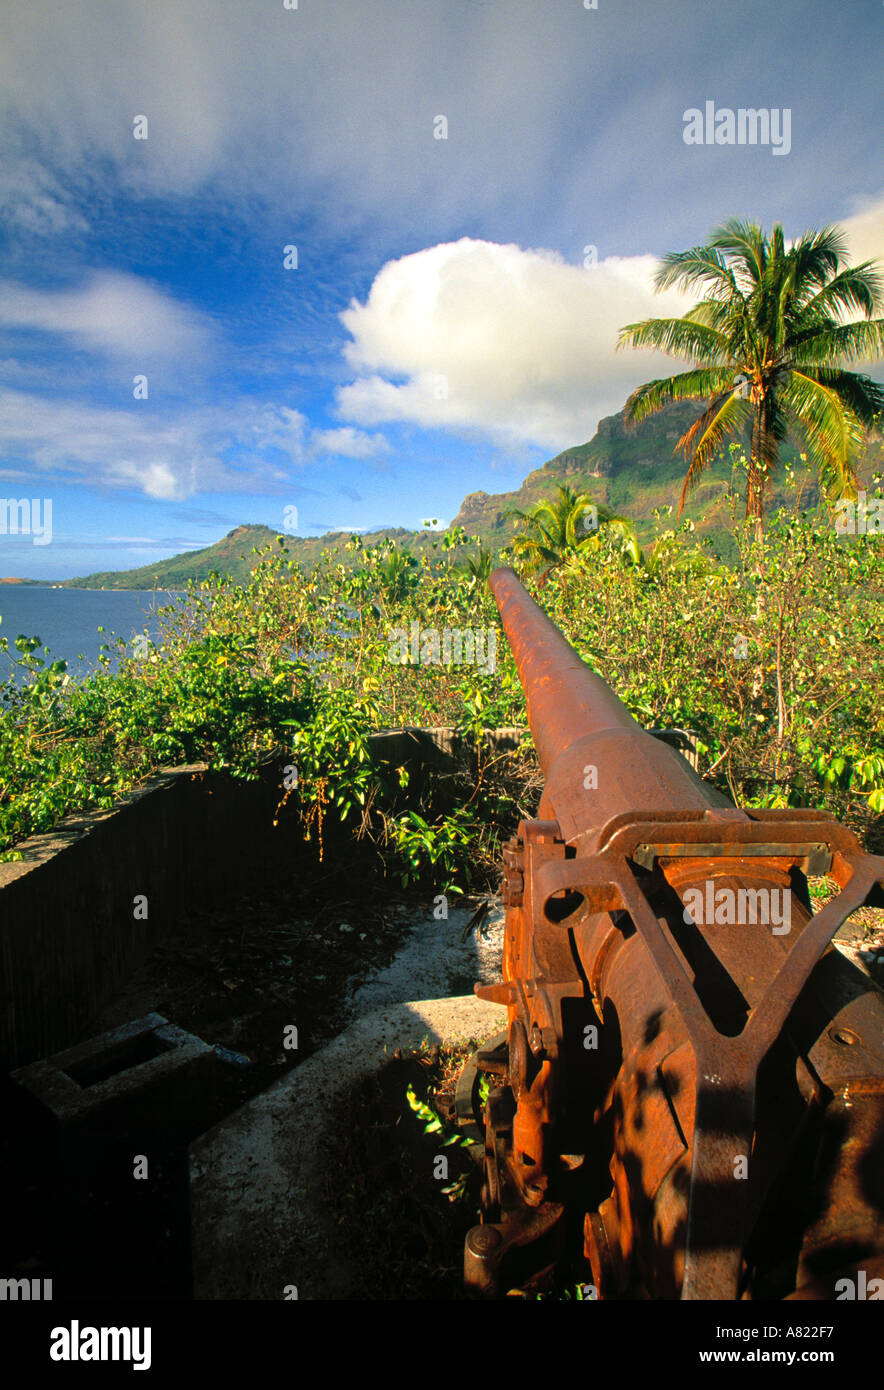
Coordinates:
689 1097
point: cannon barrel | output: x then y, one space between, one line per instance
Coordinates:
578 723
566 700
693 1077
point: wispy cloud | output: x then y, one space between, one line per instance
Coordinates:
203 516
169 455
333 528
557 109
35 198
112 313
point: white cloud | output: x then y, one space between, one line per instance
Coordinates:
567 119
36 200
517 344
278 427
865 232
134 540
171 456
112 313
348 443
271 101
337 527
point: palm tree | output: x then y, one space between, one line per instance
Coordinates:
397 574
479 566
767 343
557 530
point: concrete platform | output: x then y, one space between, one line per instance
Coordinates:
258 1229
435 961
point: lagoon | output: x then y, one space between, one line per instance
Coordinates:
67 621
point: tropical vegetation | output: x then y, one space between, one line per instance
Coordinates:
769 343
554 533
775 661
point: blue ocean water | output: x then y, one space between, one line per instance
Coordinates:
67 621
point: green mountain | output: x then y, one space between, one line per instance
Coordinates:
231 555
635 469
631 469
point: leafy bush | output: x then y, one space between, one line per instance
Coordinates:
774 659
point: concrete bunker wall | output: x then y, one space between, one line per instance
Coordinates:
70 933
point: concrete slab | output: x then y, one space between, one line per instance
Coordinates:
435 962
258 1228
147 1072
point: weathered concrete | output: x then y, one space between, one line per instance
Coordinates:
147 1072
436 960
258 1227
442 749
85 904
69 933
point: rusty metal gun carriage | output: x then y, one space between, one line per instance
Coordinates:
696 1106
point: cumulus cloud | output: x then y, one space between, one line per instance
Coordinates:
349 443
112 313
517 344
865 232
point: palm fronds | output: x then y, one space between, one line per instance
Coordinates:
775 319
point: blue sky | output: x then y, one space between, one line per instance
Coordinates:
446 328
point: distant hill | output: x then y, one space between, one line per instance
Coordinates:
631 469
231 555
